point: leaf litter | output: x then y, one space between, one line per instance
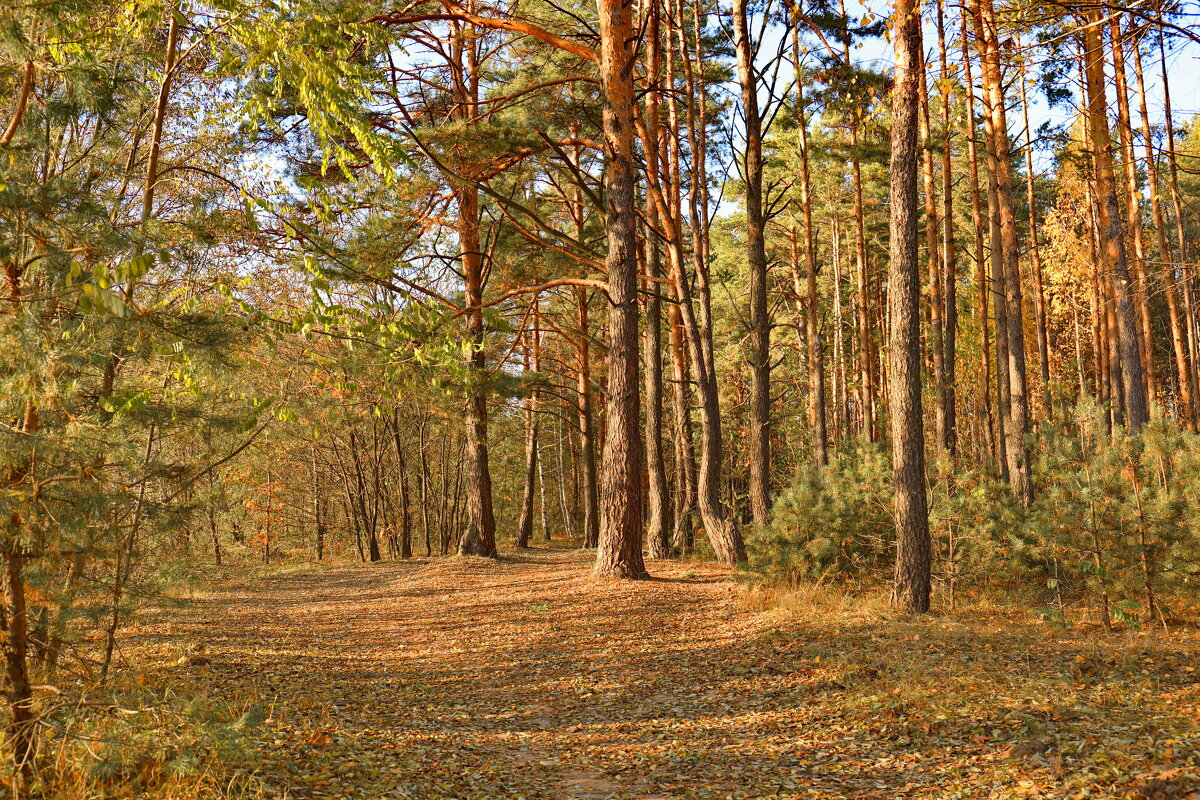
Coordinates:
526 677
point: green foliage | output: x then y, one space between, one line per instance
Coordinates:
1110 527
834 521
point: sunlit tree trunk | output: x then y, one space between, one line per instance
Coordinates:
912 579
1187 392
659 526
1177 205
935 345
983 283
816 362
1111 239
479 538
1035 254
760 322
619 552
1000 168
949 252
1136 252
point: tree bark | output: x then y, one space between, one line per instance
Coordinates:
1111 239
587 426
1136 252
760 322
479 537
1177 205
1035 252
936 343
816 362
999 154
949 264
619 552
990 421
912 577
525 525
659 526
1183 374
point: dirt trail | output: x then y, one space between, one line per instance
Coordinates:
469 678
527 678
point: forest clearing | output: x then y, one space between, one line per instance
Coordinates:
599 399
527 678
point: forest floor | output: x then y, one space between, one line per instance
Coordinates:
526 678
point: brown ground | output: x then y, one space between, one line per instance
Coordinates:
526 678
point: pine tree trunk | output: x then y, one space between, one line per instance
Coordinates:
1187 393
1111 239
949 257
1135 252
659 526
983 283
936 342
912 580
479 538
816 364
1035 251
525 524
1000 167
1177 205
760 323
587 426
619 551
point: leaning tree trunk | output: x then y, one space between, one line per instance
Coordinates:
619 553
911 589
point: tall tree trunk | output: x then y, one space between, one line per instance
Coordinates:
760 322
999 154
723 533
936 342
990 420
1177 205
659 526
816 362
619 553
911 589
1035 252
587 425
525 525
1187 392
949 257
1136 252
1111 239
683 537
479 538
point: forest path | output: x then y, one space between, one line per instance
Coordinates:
465 678
525 677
